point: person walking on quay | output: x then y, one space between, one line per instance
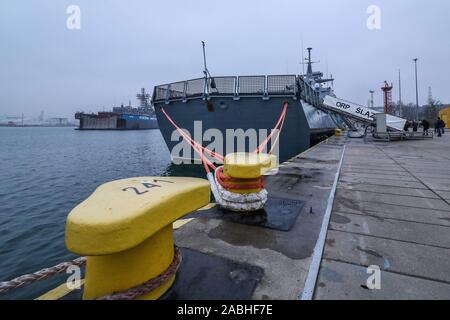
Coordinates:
415 126
443 124
407 126
436 126
426 127
439 127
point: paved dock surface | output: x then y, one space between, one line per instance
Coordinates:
285 257
392 210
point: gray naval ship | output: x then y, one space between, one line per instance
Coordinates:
249 102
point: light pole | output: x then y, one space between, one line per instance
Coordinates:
400 107
417 91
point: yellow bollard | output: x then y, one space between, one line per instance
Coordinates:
125 230
338 132
247 166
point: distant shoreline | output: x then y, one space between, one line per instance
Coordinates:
38 126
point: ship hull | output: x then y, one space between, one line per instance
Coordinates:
136 122
300 128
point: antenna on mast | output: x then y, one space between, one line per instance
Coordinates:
303 59
400 102
309 62
205 68
206 71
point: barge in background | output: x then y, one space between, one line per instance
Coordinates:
249 102
121 118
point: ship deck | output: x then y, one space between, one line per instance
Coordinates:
391 209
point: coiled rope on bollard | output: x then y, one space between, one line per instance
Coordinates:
149 285
220 183
240 202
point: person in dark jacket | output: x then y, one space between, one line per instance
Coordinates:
439 127
415 126
426 127
407 126
442 126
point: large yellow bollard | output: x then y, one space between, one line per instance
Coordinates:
338 132
244 168
125 230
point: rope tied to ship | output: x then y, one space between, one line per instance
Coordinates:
129 294
240 202
237 184
221 183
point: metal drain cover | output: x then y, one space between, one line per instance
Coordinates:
278 214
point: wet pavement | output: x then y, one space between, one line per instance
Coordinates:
284 253
392 210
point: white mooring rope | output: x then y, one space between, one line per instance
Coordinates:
235 201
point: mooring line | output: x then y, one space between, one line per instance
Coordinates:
311 279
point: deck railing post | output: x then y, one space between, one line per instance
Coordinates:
169 87
185 91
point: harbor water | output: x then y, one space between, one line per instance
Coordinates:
45 172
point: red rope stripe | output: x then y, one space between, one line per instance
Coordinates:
208 164
196 146
278 135
237 183
280 120
192 141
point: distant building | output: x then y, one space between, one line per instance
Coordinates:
444 114
58 121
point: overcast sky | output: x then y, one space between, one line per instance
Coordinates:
125 45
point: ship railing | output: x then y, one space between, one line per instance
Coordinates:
281 85
176 90
229 86
308 94
221 86
195 88
251 86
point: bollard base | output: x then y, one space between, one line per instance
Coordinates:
127 269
